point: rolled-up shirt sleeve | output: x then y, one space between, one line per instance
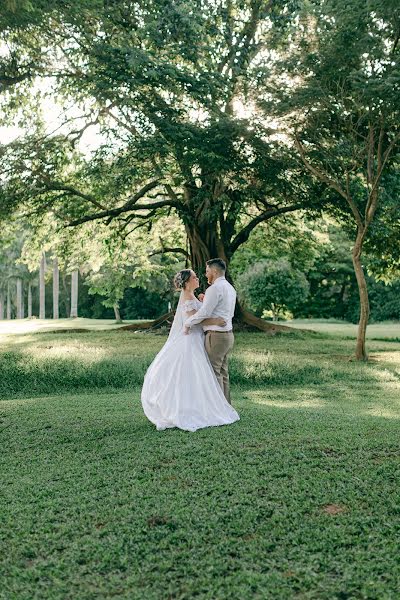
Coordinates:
210 302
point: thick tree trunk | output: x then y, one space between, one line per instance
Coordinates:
361 353
117 313
42 289
1 305
8 301
19 299
29 300
74 294
205 244
56 288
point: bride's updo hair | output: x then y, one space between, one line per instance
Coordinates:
181 279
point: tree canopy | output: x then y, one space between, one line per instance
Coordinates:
224 115
167 85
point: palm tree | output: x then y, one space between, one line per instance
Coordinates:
56 288
8 300
20 309
29 300
74 294
42 288
1 304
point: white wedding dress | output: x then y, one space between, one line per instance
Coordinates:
180 388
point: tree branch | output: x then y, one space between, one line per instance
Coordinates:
244 234
134 131
371 148
128 206
171 250
239 52
330 182
316 172
382 160
6 81
56 186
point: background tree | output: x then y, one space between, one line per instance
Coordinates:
42 286
56 288
175 89
292 237
13 274
273 286
337 95
333 285
383 241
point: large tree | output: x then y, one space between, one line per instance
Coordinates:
336 95
168 84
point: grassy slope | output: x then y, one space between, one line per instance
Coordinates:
297 500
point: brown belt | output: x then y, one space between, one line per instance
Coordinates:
216 331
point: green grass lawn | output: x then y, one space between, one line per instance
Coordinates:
388 329
20 326
384 330
299 499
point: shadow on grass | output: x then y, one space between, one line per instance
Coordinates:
376 400
105 362
28 374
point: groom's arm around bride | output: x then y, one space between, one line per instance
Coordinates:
219 301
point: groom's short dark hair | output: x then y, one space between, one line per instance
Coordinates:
217 262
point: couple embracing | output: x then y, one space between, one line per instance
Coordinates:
187 384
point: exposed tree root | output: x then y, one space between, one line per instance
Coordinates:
245 321
163 321
249 322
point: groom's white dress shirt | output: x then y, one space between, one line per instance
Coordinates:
219 301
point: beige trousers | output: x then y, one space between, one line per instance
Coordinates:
218 345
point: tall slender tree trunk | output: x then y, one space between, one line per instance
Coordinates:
42 288
19 298
29 300
8 301
361 353
74 294
117 313
65 294
56 288
1 305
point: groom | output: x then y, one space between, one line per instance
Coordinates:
219 301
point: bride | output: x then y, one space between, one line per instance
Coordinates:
180 388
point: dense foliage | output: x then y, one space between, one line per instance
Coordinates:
219 116
271 288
